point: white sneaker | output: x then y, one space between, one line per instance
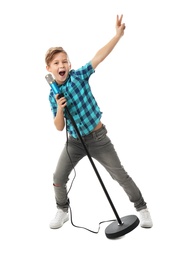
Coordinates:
60 218
145 219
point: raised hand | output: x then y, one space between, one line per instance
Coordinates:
120 27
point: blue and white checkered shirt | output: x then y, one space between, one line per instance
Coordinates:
80 101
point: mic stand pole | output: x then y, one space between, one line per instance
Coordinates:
123 225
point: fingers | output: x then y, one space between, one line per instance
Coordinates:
121 17
62 102
123 26
119 20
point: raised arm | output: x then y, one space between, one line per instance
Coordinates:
105 50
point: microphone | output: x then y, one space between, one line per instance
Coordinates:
53 84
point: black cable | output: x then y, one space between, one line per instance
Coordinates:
95 232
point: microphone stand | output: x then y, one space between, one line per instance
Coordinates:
122 225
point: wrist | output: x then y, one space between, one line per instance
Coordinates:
60 111
118 36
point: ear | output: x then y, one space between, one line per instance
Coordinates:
48 68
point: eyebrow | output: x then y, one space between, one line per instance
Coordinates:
59 60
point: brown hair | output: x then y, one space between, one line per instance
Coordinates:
51 52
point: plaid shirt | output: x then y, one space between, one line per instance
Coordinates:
80 101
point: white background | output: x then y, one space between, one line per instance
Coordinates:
134 89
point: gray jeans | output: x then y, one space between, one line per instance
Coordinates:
100 148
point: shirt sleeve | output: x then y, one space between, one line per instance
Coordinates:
85 71
53 103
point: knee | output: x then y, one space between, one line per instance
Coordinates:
57 181
56 185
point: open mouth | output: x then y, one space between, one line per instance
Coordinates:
62 73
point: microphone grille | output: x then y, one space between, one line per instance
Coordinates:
49 78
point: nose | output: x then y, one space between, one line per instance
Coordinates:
61 65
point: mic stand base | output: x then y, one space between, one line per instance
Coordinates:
115 230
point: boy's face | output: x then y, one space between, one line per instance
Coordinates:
59 67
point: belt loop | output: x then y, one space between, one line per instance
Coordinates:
94 134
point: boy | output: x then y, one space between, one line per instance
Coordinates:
87 116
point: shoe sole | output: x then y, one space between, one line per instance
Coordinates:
146 226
